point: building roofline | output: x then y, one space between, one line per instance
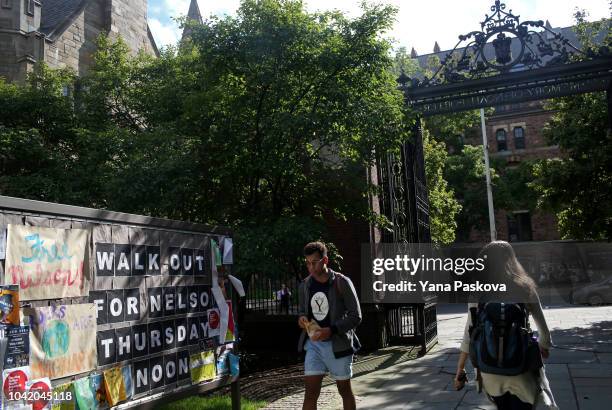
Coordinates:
59 29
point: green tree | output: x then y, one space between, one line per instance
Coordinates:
265 122
577 186
443 206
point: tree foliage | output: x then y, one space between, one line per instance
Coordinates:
577 186
443 206
264 122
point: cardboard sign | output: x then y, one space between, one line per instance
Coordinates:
62 339
47 263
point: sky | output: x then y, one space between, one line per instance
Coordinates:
419 23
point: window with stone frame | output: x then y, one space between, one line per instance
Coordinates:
519 226
29 7
500 136
519 138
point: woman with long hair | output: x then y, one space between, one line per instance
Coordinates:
524 390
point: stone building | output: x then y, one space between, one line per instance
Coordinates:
63 33
514 134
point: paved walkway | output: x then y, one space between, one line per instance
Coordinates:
579 369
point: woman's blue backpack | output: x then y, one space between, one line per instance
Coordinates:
501 341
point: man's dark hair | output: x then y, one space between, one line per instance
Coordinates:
313 247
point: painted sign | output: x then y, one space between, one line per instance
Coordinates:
62 339
47 263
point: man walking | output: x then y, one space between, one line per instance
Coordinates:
327 299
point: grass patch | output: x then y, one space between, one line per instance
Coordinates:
212 403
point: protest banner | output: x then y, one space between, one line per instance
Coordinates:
47 263
62 339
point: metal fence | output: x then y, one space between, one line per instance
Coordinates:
264 295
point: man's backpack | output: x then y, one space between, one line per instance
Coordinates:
501 341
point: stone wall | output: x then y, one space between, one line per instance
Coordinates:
128 18
74 48
20 47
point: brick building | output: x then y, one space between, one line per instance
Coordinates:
514 133
63 33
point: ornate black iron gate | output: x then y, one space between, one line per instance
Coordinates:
524 61
404 201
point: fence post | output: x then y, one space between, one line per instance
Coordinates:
235 394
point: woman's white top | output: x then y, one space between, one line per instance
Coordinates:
525 386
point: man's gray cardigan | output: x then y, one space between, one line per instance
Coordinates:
344 310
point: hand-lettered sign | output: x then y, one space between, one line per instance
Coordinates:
62 339
47 263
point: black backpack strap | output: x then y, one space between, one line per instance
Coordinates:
474 317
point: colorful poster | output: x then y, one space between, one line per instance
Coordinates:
118 384
14 381
17 352
230 335
9 304
218 260
222 361
62 339
63 397
47 263
214 322
83 393
99 389
228 251
202 366
40 389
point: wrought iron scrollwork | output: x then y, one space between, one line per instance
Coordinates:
502 45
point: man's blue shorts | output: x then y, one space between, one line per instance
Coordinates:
320 360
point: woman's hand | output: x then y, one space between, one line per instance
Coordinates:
460 379
545 352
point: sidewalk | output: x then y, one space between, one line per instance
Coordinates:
581 378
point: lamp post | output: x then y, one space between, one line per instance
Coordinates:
485 148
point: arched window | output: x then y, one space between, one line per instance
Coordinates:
519 138
500 135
